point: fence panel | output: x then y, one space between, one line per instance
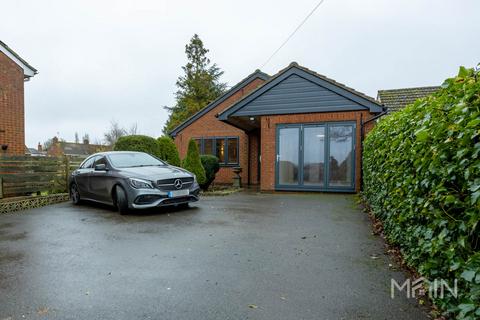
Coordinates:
25 175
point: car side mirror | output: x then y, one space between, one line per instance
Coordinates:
101 167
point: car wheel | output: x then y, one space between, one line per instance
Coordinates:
121 201
74 194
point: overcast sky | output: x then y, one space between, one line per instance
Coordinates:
100 61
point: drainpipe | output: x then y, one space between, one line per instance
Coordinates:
362 137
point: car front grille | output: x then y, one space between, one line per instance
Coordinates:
169 184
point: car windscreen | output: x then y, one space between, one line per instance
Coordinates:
129 160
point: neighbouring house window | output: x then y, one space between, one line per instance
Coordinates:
224 148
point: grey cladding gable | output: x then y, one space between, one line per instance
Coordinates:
298 91
296 94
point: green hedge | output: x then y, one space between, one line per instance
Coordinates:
168 151
138 143
192 162
211 165
421 169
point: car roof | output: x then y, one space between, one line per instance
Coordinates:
106 153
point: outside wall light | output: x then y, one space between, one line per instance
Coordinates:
4 147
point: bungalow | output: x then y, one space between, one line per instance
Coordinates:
296 130
60 148
14 71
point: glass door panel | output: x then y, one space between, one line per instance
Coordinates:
313 155
288 155
340 163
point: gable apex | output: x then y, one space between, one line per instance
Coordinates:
297 89
28 70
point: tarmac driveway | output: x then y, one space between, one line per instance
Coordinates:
243 256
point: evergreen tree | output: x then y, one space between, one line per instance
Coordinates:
168 151
193 163
199 85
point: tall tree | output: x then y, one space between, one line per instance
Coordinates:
115 132
199 85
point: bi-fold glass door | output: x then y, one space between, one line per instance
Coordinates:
316 156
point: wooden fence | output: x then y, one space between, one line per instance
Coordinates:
25 175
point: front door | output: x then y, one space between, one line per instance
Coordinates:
316 157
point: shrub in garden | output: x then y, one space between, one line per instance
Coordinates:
421 169
168 151
137 143
192 162
211 165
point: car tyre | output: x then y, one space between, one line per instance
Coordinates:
74 194
121 201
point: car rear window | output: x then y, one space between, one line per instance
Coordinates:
128 160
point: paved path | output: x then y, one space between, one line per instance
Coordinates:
244 256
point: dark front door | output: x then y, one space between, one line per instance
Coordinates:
316 157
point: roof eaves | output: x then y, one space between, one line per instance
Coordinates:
13 53
256 74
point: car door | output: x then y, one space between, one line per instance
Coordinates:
99 181
82 174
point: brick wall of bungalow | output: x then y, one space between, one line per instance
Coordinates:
268 136
12 116
209 126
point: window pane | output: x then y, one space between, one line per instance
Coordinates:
341 156
100 160
288 156
220 144
89 163
313 155
208 146
232 150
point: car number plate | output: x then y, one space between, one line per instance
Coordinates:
178 193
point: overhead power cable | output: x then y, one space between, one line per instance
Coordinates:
293 33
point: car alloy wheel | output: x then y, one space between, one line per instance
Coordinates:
74 194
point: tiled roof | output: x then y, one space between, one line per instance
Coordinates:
396 99
80 149
257 74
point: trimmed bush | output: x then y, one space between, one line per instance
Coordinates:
137 143
211 165
168 151
192 162
421 170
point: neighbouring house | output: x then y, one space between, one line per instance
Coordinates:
396 99
296 130
35 152
14 71
62 148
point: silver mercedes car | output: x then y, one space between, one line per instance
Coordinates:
132 180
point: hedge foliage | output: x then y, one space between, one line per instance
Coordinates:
168 151
421 170
211 165
192 162
138 143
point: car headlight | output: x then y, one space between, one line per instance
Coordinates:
140 183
